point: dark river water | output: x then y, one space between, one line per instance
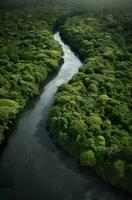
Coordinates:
31 166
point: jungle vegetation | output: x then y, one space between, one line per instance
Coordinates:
92 114
28 54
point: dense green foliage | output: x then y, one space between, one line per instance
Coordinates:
28 54
91 117
92 114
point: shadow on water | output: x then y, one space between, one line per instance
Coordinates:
29 106
33 167
95 188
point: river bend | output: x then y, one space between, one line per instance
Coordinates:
31 166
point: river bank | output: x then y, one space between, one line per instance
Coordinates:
31 166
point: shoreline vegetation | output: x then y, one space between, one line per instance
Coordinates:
28 55
92 115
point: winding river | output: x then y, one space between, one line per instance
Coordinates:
31 166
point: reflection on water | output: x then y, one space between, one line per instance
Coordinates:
31 167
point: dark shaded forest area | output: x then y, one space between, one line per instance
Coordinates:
28 54
92 115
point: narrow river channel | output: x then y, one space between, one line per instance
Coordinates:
31 166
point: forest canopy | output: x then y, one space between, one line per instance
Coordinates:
28 55
92 114
101 4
